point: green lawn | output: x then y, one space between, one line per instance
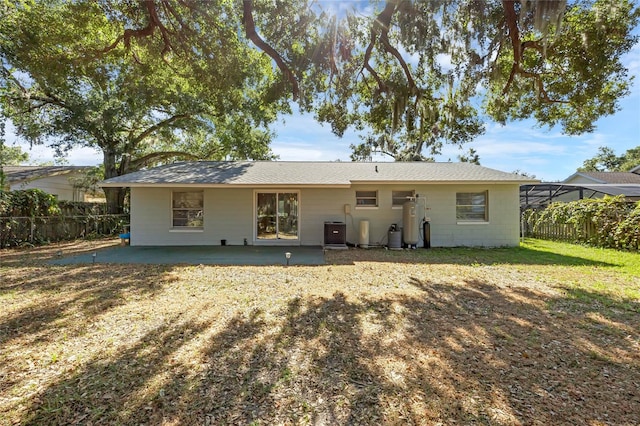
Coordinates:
545 333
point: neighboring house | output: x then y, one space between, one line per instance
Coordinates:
288 203
604 178
581 185
56 180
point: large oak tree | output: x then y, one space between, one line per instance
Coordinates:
420 73
414 74
65 83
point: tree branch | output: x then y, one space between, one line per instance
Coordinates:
158 126
154 22
380 30
385 15
250 30
368 67
47 99
514 34
383 21
518 52
144 160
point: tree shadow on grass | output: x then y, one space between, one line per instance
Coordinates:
582 301
123 390
61 294
42 254
520 358
471 353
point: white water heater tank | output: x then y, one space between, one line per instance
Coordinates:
363 241
410 223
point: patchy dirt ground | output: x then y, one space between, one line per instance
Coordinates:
373 337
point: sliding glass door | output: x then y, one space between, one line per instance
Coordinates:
276 216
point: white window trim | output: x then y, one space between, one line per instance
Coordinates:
259 242
185 229
486 208
367 207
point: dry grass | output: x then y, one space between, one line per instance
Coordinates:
374 337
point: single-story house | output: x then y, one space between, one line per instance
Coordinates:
582 185
55 180
290 203
605 178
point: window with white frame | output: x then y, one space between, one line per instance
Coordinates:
472 206
398 198
187 209
366 198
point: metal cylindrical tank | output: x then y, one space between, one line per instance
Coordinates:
426 234
395 240
363 241
410 223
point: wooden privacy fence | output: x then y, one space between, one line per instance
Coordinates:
532 226
15 231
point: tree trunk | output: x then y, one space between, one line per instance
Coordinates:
115 200
114 196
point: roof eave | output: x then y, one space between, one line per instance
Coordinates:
217 185
36 176
311 185
576 174
444 182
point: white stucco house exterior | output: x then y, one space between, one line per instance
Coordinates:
288 203
55 180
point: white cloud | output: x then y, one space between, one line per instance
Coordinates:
444 60
39 154
294 152
84 157
517 148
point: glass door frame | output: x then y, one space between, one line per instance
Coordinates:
275 241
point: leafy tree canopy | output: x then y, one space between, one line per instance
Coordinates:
419 73
64 81
12 155
607 161
9 155
415 74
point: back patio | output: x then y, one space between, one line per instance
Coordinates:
199 255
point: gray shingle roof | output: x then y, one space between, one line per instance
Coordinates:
609 177
269 173
21 173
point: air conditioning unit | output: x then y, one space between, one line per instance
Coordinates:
335 234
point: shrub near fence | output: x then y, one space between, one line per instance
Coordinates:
15 231
35 217
608 222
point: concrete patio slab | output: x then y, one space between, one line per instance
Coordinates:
200 255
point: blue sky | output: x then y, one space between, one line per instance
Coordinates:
542 152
